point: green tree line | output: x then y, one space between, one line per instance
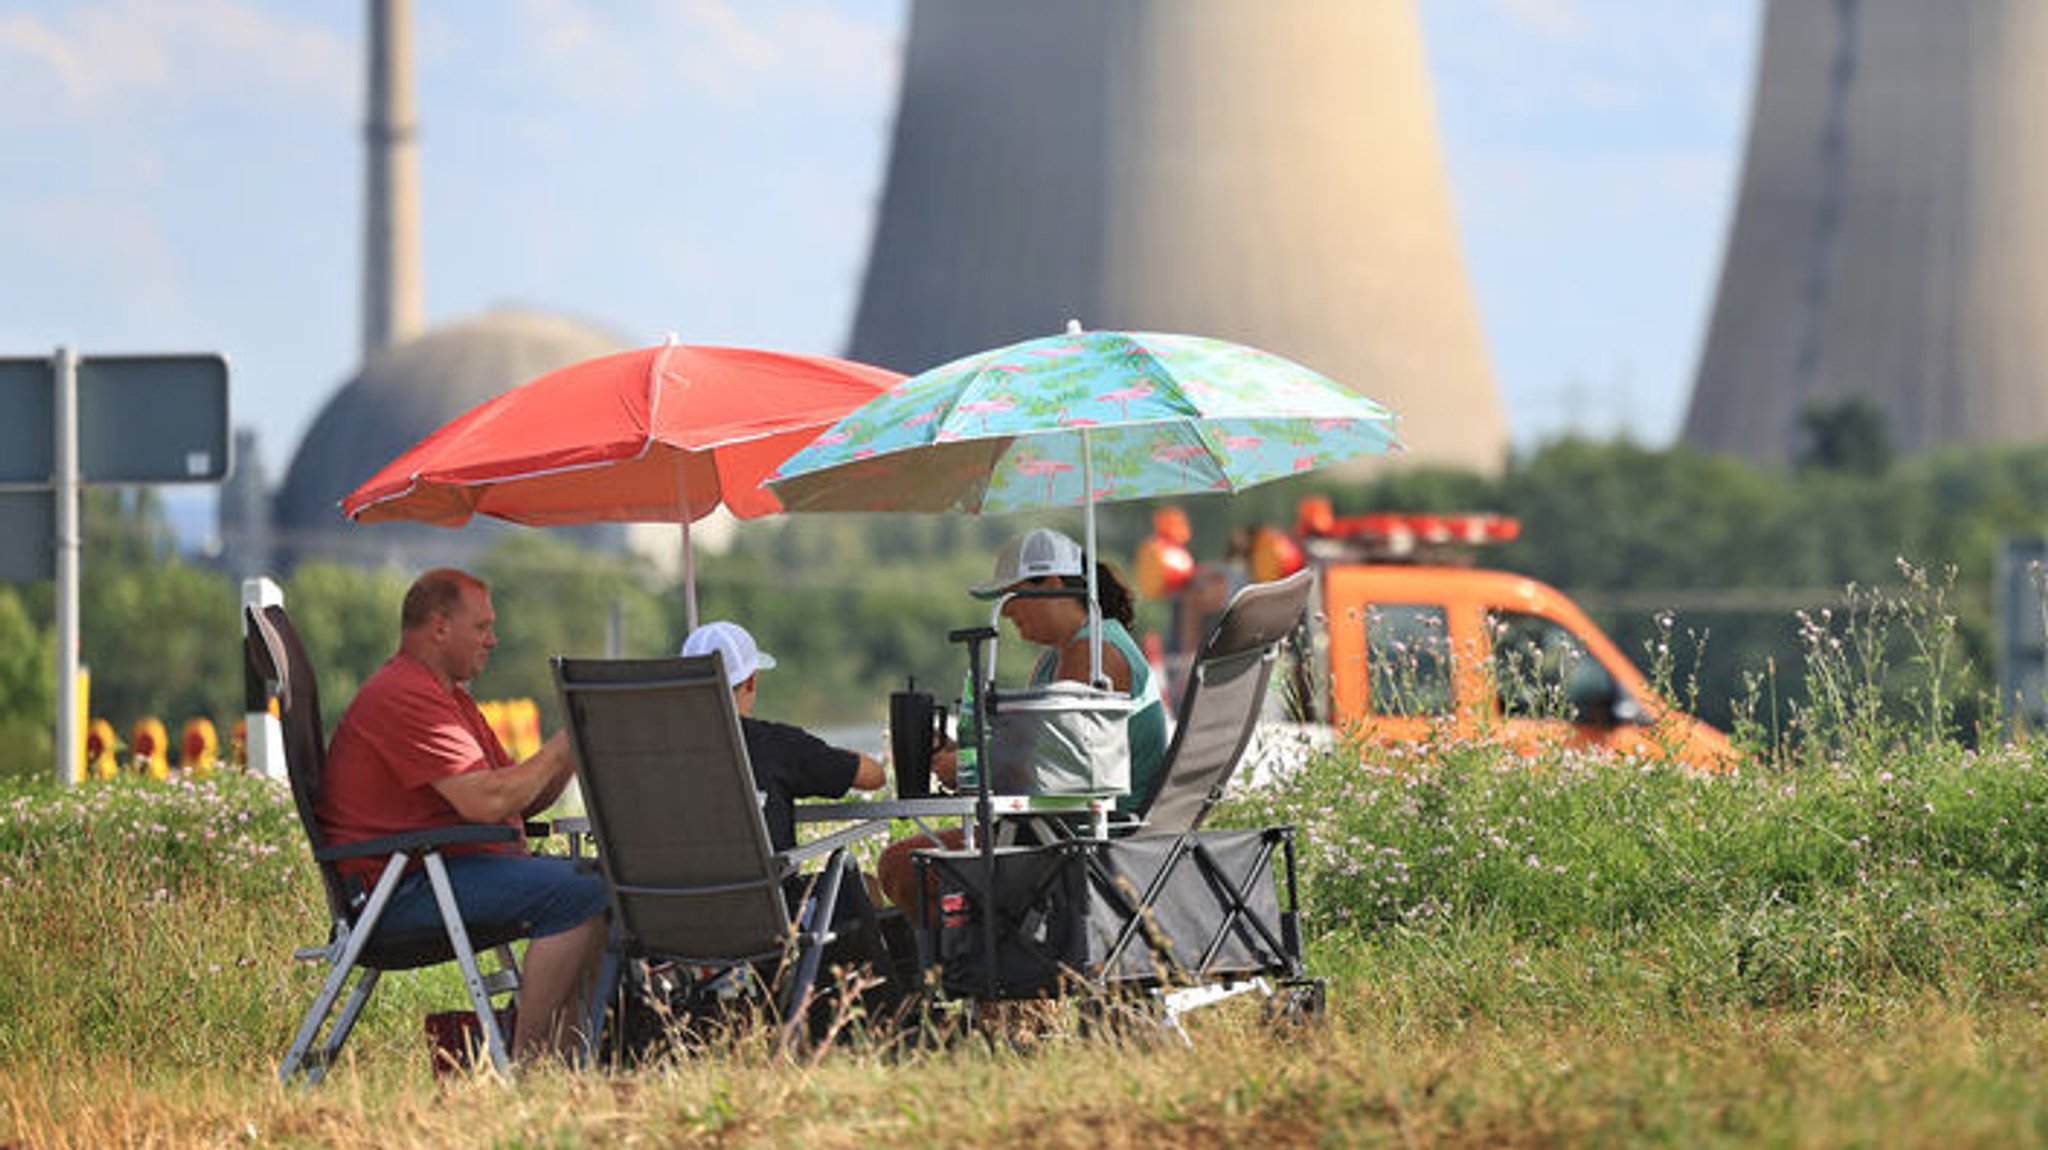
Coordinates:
1655 543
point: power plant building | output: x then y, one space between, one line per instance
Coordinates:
413 378
1889 234
1262 172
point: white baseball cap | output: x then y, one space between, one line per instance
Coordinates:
742 657
1032 555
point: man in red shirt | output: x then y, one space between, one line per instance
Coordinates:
414 752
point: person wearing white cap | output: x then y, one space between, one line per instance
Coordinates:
789 762
1038 560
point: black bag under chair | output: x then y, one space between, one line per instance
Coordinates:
1186 915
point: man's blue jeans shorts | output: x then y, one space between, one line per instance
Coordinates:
547 894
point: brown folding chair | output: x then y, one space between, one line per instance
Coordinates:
277 668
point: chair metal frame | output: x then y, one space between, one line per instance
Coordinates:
277 669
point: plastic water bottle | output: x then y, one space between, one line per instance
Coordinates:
967 738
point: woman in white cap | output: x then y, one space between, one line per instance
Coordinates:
1043 559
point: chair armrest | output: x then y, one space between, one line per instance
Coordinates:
825 844
422 840
1126 822
575 829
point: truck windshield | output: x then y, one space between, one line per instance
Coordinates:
1542 670
1408 660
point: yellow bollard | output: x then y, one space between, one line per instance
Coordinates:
84 770
516 722
151 747
198 747
102 747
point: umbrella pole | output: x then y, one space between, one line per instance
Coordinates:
689 554
689 578
1088 561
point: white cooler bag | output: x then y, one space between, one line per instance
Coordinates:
1063 738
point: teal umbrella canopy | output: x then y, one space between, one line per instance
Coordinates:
1082 418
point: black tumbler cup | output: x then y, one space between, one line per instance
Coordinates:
911 724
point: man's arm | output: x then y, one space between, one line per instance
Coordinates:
547 797
525 787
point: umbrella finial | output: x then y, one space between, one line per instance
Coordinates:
1073 326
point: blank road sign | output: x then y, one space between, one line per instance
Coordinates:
27 412
28 536
153 419
141 419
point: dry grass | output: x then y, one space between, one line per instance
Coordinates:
1837 954
1923 1074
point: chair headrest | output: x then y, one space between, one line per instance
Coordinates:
274 661
1259 615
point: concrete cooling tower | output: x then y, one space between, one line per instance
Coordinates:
1890 232
1254 170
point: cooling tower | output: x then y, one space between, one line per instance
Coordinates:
1258 171
1890 234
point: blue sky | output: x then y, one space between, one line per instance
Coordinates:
185 175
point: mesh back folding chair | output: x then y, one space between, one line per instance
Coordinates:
677 825
277 668
1220 707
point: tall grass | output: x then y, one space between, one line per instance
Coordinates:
1837 944
153 924
1580 889
1863 855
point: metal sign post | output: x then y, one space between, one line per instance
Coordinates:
111 420
2022 612
70 740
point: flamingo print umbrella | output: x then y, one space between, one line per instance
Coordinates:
1078 419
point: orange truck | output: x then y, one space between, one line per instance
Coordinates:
1408 640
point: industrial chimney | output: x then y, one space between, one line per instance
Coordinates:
1263 172
392 308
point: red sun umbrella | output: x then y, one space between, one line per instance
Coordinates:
662 434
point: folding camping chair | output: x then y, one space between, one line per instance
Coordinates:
1195 915
277 668
1222 703
677 826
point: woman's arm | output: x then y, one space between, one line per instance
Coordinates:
1073 664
